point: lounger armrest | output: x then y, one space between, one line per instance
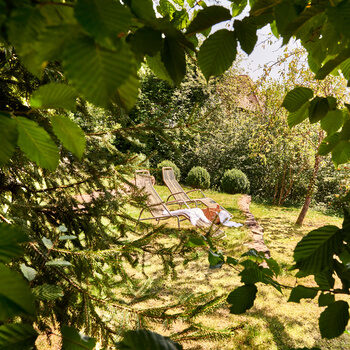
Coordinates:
198 190
173 194
175 202
153 205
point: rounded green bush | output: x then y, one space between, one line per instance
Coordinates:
235 181
198 177
166 163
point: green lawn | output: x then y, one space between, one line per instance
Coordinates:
272 323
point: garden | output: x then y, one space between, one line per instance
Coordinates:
153 195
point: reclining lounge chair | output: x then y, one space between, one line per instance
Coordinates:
159 209
181 196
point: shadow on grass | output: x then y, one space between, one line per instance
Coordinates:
277 328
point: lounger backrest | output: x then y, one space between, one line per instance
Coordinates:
143 181
173 185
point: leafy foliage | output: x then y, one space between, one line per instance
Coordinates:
198 177
69 133
242 298
94 49
235 181
15 295
10 237
37 143
17 336
54 95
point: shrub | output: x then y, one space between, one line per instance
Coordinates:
198 177
235 181
166 163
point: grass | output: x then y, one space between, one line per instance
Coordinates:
272 323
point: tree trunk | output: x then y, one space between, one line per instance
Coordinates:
310 188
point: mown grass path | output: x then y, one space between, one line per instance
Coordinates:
257 231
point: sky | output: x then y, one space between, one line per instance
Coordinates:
267 50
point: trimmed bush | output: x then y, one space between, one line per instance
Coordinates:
198 177
235 181
166 163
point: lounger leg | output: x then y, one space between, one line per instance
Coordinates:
138 220
178 222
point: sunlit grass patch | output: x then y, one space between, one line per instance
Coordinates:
272 323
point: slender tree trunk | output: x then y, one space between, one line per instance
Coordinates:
282 184
311 186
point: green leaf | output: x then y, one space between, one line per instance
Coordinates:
298 116
47 242
333 320
238 6
332 64
273 265
54 95
144 339
58 262
196 241
10 237
8 136
142 9
62 228
128 92
69 133
180 19
341 152
324 280
165 8
254 274
333 121
58 15
208 17
329 143
67 237
325 299
217 53
28 272
25 24
52 41
338 16
245 31
17 336
318 109
103 18
332 103
37 144
296 98
274 30
285 14
345 68
242 298
95 71
73 340
301 292
215 259
146 41
232 261
15 295
48 292
174 59
157 66
314 252
345 131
